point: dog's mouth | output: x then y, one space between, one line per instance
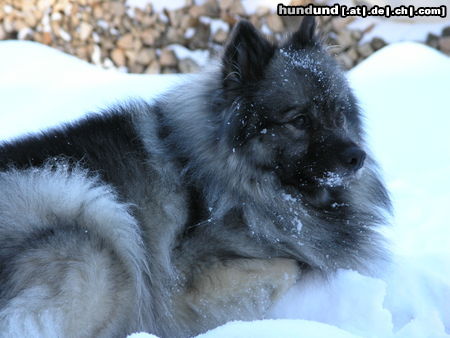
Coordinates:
335 179
327 179
332 179
320 187
318 197
323 190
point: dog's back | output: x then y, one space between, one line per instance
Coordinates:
76 205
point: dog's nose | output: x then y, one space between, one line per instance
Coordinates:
353 158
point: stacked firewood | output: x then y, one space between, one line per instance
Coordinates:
143 40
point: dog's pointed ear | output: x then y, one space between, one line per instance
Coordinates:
306 34
245 56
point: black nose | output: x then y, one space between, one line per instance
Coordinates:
353 158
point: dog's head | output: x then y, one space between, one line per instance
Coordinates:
292 110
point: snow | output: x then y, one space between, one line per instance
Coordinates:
283 328
48 85
264 329
142 335
331 179
250 6
403 90
215 24
201 56
158 6
340 302
397 31
406 104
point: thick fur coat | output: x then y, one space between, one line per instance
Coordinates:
200 208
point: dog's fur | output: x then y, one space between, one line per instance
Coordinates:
203 207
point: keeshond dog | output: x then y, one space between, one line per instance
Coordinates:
204 206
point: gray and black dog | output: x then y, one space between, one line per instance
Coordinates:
202 207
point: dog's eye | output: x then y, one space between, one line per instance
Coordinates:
301 121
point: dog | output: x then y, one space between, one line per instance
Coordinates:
204 206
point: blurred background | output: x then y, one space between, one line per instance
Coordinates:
144 36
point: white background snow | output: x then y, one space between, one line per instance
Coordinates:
404 92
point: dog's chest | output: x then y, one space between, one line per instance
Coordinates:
240 289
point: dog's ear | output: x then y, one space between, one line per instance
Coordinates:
306 34
246 56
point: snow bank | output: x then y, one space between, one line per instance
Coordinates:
276 328
391 30
268 328
41 87
403 91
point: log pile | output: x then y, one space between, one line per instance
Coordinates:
142 40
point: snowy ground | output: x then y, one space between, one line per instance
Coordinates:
395 31
404 92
